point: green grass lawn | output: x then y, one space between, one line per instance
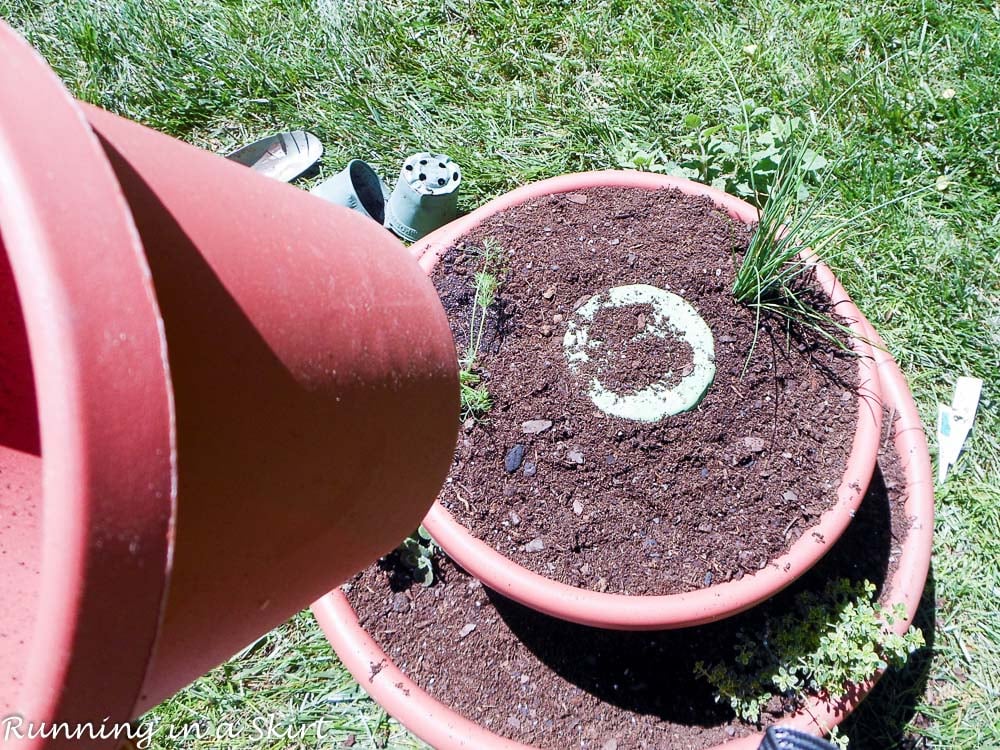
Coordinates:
517 90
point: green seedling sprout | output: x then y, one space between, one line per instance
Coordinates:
475 398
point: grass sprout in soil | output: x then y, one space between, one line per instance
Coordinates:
612 504
794 227
791 234
552 684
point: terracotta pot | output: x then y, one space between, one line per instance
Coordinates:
219 396
679 610
445 729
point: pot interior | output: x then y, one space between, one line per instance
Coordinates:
20 490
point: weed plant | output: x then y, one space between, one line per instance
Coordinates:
416 553
475 397
710 155
823 645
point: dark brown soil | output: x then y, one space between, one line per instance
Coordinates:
630 360
615 505
551 684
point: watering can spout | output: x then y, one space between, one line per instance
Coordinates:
226 397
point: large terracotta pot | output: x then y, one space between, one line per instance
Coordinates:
445 729
219 396
719 600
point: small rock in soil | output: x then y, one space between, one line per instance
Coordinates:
602 585
575 456
581 301
515 520
610 745
578 198
468 424
705 528
731 731
530 468
514 458
708 578
704 473
549 293
631 259
755 444
577 507
400 602
585 569
546 330
513 722
790 496
640 322
535 545
557 318
535 426
466 629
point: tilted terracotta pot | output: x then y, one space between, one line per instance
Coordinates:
714 602
220 396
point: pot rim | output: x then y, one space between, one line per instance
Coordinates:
715 602
446 729
104 408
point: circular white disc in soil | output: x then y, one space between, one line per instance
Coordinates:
672 317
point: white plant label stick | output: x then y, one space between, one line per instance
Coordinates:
955 422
